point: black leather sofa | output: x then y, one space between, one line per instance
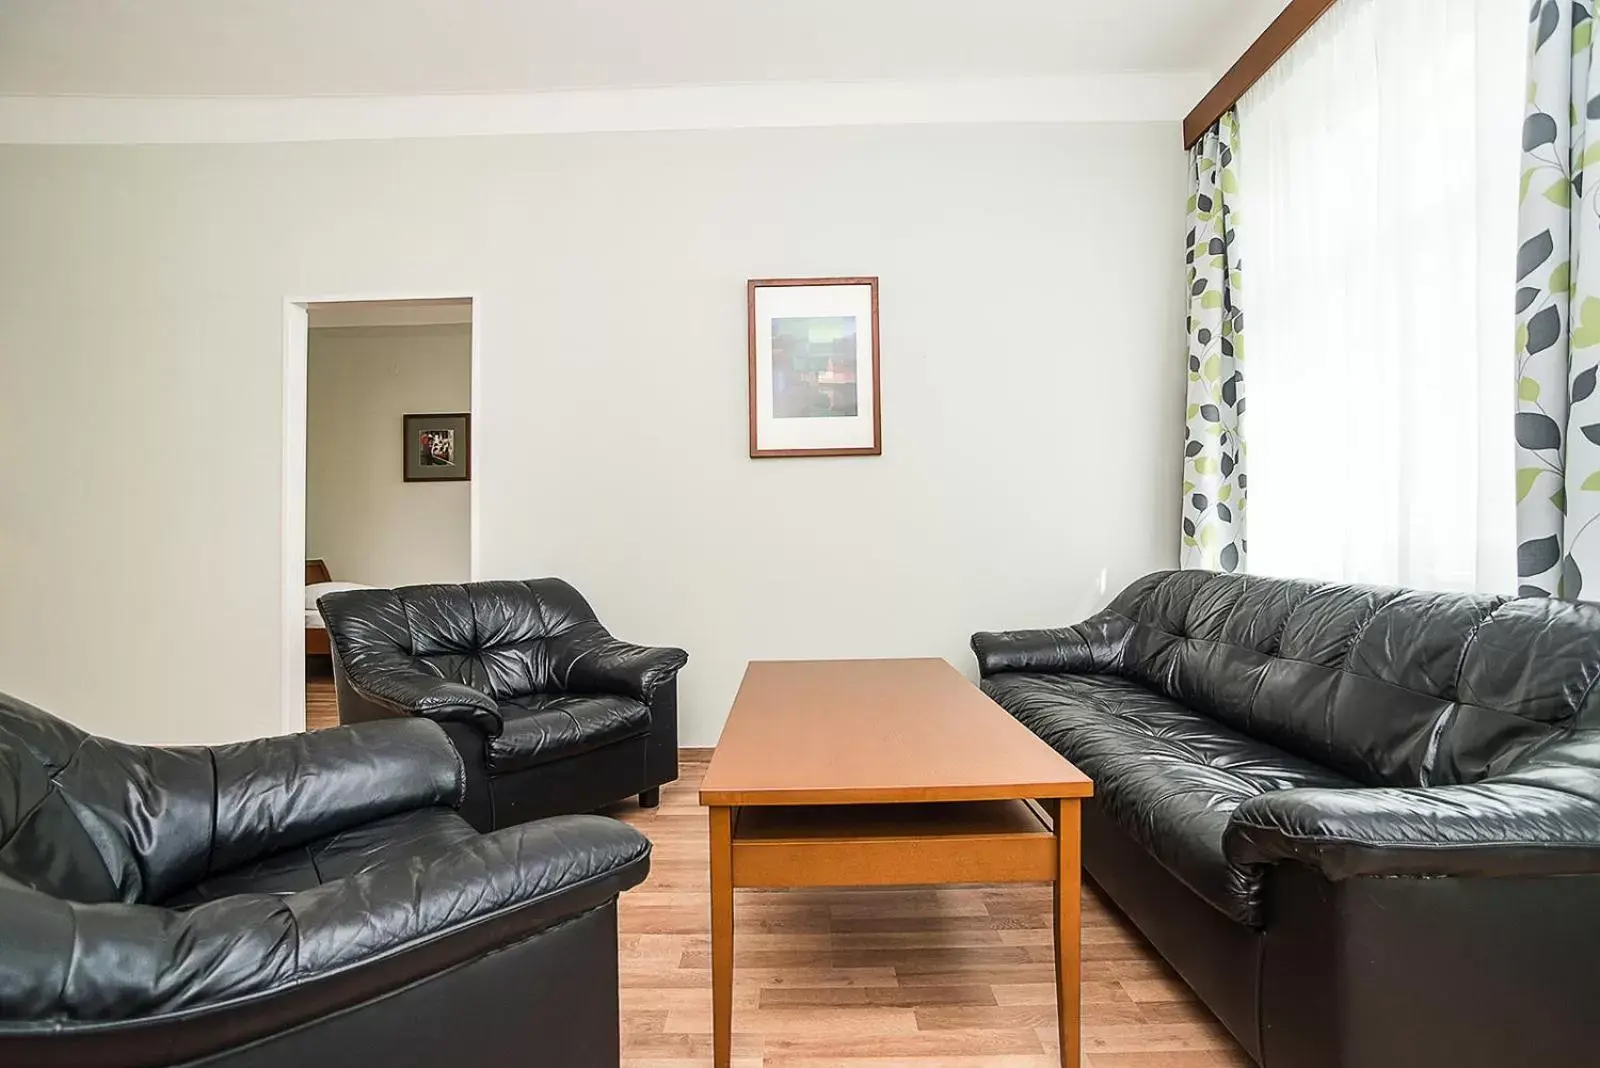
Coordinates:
551 714
305 900
1362 823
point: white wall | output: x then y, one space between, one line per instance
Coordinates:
362 517
1032 384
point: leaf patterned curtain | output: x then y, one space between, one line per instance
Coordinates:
1558 309
1213 450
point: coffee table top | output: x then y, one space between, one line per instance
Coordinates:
819 732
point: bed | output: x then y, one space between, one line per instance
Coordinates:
318 582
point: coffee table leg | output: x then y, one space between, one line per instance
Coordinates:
1068 891
721 936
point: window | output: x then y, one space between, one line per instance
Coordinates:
1378 219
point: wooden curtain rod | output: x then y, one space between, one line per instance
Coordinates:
1259 58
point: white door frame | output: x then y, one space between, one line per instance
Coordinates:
293 510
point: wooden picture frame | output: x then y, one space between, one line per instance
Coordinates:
842 422
417 466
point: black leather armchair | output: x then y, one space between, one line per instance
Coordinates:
311 899
551 714
1363 823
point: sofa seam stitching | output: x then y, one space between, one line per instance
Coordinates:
1466 648
461 772
216 804
72 954
1283 625
51 777
1402 845
1361 631
1584 700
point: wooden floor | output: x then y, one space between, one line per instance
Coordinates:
917 978
321 709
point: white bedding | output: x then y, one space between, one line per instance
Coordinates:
316 590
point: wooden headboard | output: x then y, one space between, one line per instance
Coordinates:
317 571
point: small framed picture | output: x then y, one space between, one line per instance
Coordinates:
814 367
438 448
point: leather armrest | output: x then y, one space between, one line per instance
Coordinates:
526 878
375 931
1093 647
402 688
589 660
276 793
1489 829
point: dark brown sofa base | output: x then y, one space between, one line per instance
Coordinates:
550 1000
581 783
1430 972
1377 972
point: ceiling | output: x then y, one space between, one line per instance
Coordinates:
419 47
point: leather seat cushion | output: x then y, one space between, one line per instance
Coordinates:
1167 775
420 833
540 728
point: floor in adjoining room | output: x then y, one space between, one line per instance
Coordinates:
947 977
322 709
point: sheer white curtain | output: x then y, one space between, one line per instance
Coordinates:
1378 222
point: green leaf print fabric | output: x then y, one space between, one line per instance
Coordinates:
1558 309
1214 481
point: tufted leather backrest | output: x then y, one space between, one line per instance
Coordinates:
82 819
492 636
1392 687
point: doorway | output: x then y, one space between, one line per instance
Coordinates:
379 457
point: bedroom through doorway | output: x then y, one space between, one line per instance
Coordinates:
386 497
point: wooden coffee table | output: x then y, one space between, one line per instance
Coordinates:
885 773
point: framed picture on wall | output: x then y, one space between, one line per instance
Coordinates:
438 448
814 367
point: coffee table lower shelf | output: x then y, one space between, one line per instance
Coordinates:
905 844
